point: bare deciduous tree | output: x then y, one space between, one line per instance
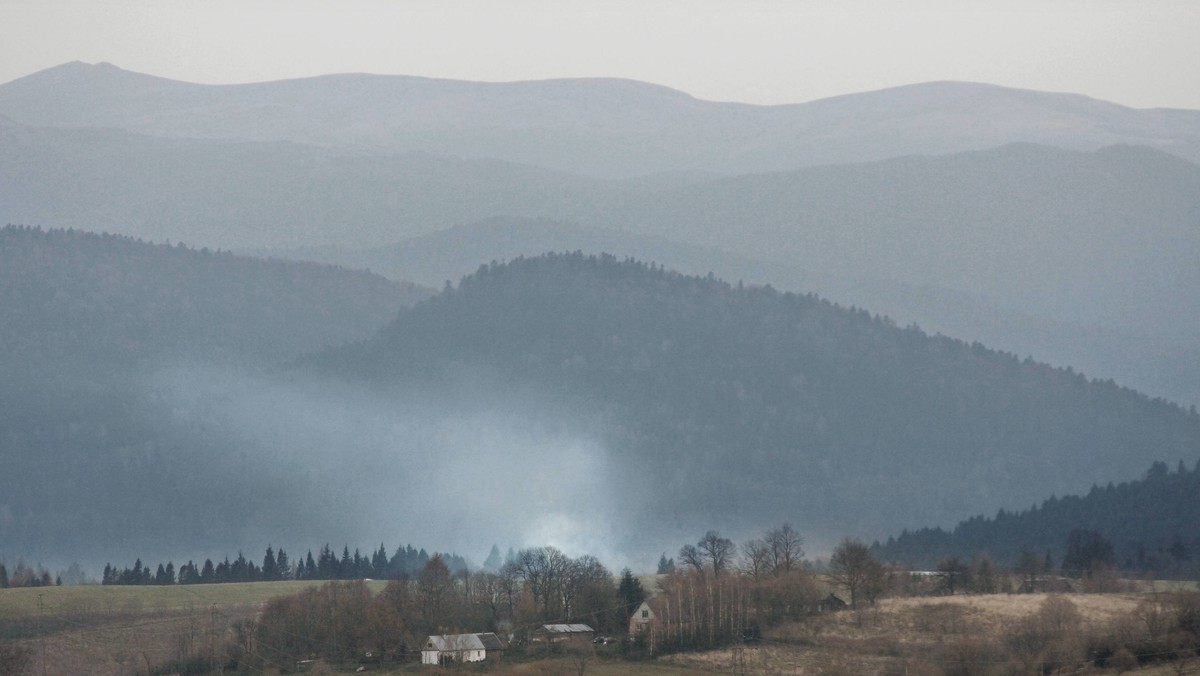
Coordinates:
756 558
688 554
787 548
718 551
853 567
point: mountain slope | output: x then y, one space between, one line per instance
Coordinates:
241 194
1153 525
1080 259
1034 228
599 126
79 295
740 406
105 346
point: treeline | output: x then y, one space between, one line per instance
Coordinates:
1152 525
344 621
26 576
326 565
718 594
713 593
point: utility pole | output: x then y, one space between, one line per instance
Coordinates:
41 636
212 640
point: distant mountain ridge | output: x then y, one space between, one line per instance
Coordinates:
1097 248
598 126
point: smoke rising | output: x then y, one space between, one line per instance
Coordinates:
456 469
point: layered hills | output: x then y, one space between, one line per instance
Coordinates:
599 126
151 395
608 405
1080 258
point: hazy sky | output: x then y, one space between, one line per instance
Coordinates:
1143 53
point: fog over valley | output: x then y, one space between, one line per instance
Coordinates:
589 313
411 465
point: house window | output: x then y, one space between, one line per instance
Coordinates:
645 614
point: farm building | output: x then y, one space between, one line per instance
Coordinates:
554 633
460 648
831 603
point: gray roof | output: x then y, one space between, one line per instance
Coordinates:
464 642
491 641
566 628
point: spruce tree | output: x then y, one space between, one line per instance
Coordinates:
493 561
664 564
270 568
379 563
631 592
283 566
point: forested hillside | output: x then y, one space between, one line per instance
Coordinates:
1153 525
728 405
97 452
1044 224
80 295
1083 259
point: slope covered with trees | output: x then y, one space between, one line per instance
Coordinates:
96 453
1088 256
80 295
727 403
1152 526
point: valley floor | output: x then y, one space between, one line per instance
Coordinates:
136 630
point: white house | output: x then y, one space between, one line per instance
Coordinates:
460 648
641 619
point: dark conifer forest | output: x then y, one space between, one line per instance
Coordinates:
149 399
99 457
730 399
1151 525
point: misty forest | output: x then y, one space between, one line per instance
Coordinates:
936 340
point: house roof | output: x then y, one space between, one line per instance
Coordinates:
566 628
491 641
464 642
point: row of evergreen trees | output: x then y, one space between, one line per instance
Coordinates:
1152 526
24 576
326 565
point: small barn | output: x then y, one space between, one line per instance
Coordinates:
556 633
449 648
642 619
831 603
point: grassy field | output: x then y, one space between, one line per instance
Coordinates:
129 630
94 629
926 635
100 599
